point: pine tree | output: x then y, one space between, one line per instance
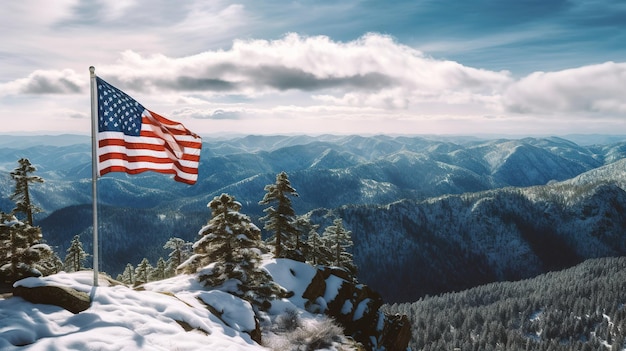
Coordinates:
280 220
317 252
316 247
22 252
159 271
338 239
181 250
142 272
128 276
229 248
303 227
21 195
76 256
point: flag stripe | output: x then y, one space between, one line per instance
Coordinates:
150 152
185 165
138 165
145 152
180 177
151 139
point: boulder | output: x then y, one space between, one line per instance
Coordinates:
316 287
70 299
356 307
396 333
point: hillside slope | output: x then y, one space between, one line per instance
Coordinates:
349 170
455 242
581 308
428 214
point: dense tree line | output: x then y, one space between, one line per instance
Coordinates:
23 251
581 308
456 242
230 245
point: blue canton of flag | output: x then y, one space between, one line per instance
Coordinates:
117 112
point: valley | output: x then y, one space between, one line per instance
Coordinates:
428 215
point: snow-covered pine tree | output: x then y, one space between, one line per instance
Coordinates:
21 196
22 253
303 227
181 250
128 276
76 256
338 239
318 253
229 249
160 270
142 272
280 220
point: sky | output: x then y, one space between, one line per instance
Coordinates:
523 67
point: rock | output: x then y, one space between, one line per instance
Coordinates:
256 333
70 299
356 307
316 287
396 333
337 272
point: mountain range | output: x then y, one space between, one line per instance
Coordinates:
427 214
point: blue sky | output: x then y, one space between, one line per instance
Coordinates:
535 67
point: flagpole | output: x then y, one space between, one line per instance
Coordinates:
94 169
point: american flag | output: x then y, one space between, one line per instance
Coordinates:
133 139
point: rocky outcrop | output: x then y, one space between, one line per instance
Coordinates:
72 300
356 308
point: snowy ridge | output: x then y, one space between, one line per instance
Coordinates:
120 318
180 313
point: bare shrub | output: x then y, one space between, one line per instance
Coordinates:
291 332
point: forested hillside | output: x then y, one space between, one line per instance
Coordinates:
348 170
455 242
428 214
581 308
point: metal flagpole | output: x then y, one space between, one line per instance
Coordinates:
94 169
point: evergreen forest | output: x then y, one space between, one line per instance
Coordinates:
580 308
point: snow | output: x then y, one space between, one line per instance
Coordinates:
178 313
347 307
121 318
361 309
234 311
291 275
333 284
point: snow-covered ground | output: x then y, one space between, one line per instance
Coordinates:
121 318
152 318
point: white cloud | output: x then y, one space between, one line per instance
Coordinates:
211 17
315 78
371 70
47 82
590 89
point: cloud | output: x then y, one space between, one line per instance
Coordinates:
284 78
372 64
221 114
361 71
198 84
373 77
216 114
589 89
76 114
47 82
